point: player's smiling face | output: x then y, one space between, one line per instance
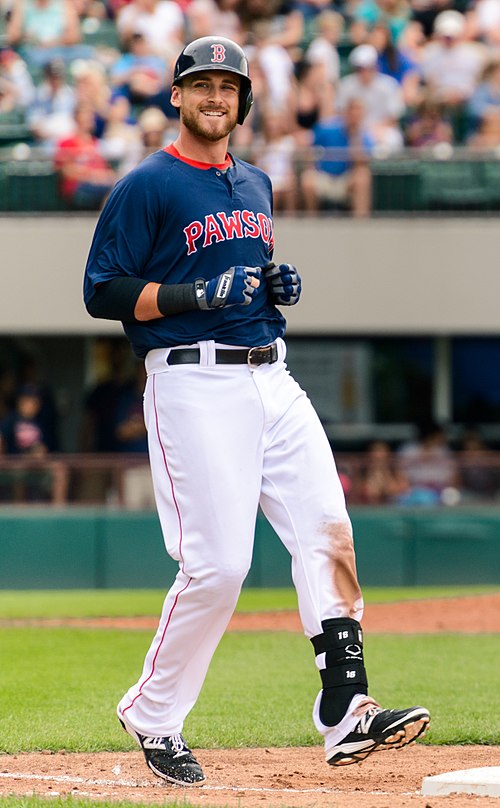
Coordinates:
208 102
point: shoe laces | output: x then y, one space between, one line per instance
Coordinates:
178 745
175 742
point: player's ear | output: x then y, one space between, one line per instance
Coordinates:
175 98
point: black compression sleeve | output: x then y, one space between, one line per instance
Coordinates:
176 298
116 299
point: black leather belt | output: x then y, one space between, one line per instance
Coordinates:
260 355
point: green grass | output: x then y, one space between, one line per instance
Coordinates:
125 603
60 687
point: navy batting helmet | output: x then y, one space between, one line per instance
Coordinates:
216 53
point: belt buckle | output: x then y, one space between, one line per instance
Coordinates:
262 355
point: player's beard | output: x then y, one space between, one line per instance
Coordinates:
210 132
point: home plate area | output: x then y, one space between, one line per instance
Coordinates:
244 778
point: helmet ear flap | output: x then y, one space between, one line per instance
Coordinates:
246 101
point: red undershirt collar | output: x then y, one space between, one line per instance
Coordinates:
195 163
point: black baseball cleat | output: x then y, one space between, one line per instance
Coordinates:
168 758
379 729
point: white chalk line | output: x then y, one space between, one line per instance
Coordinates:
66 778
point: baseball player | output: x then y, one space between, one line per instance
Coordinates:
182 255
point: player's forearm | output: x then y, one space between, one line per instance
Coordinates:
146 307
133 300
136 300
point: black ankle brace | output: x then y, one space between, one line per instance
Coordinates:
344 674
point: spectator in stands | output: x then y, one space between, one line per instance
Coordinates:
243 136
429 465
276 64
394 14
43 30
310 9
381 96
113 8
314 99
101 402
92 89
16 85
483 22
451 66
142 76
50 117
275 155
7 391
381 482
155 131
30 376
91 13
22 434
343 176
121 139
130 429
214 18
413 41
393 61
484 104
161 22
322 50
422 16
428 126
155 127
22 430
479 476
284 23
86 177
131 437
487 136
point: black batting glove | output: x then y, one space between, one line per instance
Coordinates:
230 288
283 282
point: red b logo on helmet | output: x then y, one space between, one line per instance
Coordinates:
219 53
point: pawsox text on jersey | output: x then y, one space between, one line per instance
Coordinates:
220 227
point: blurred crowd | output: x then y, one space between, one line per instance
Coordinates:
438 466
110 422
335 82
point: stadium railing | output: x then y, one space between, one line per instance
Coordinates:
123 480
443 180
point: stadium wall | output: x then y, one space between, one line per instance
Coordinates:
392 276
94 548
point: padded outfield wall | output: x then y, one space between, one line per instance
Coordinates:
96 548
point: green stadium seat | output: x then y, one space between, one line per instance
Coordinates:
13 116
455 185
13 128
3 187
491 178
396 185
101 34
32 186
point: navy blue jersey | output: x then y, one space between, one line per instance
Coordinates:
169 221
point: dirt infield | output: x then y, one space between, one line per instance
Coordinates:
248 778
284 778
472 614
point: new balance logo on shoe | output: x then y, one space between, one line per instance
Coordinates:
379 729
